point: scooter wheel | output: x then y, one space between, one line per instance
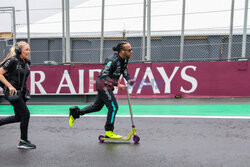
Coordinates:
136 139
100 138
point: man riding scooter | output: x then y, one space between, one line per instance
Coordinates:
114 67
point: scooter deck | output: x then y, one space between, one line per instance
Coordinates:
111 139
131 133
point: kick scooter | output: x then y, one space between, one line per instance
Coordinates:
131 133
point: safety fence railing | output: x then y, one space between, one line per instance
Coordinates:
158 30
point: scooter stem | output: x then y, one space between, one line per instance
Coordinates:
130 108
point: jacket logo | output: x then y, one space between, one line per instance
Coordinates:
109 63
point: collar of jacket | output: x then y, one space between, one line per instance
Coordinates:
121 59
19 59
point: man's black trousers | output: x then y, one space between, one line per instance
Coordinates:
104 97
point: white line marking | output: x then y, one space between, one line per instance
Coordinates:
150 116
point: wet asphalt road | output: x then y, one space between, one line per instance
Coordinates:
171 142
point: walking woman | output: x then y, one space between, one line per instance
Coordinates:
13 74
114 67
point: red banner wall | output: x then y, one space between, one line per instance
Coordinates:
192 79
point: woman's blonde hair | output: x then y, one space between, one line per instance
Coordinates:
19 45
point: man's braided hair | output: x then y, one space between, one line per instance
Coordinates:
119 46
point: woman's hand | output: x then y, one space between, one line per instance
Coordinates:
12 90
121 86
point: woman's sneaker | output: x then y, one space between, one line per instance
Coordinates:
26 145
